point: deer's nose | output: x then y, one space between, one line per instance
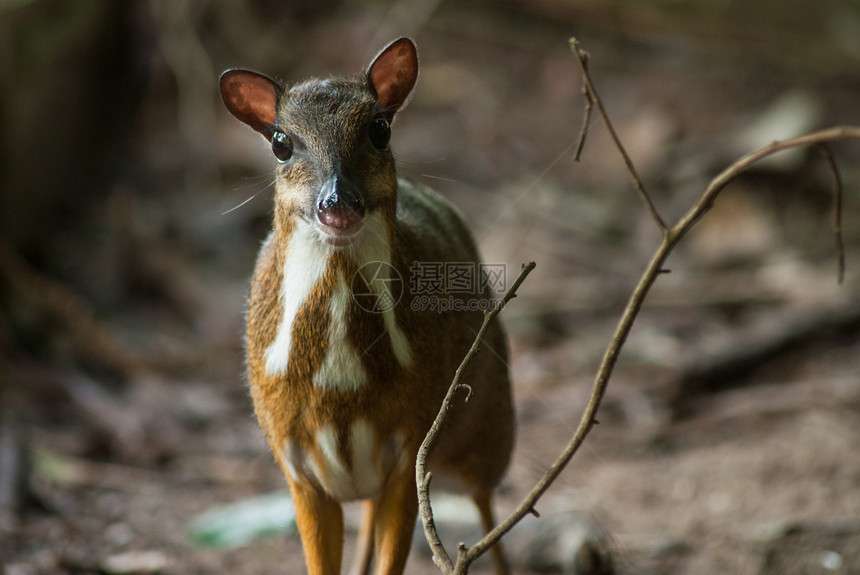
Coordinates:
340 204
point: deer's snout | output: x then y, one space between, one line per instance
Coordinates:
340 206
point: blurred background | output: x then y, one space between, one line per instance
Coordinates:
132 205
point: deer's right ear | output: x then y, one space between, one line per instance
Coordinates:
392 73
252 98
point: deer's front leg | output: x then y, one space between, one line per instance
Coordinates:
320 522
396 511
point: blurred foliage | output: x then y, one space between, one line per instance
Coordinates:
820 38
71 78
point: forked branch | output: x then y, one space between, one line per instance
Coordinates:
671 236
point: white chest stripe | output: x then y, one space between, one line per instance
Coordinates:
341 369
377 249
304 265
399 343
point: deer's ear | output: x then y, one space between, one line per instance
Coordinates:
392 73
252 98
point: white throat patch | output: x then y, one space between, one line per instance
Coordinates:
306 260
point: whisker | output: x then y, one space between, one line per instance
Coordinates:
236 207
480 233
404 159
440 178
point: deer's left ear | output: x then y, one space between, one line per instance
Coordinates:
392 73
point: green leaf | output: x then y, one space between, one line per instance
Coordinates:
239 523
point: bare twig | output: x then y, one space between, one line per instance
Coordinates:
671 236
589 106
422 477
593 98
707 198
836 214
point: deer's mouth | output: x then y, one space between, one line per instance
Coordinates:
340 220
339 230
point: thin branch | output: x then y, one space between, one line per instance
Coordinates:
440 555
706 200
836 214
593 98
589 106
422 477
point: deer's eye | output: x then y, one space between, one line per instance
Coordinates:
380 133
282 146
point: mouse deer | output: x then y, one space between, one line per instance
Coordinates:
347 366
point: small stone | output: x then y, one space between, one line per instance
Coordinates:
119 533
830 560
135 562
